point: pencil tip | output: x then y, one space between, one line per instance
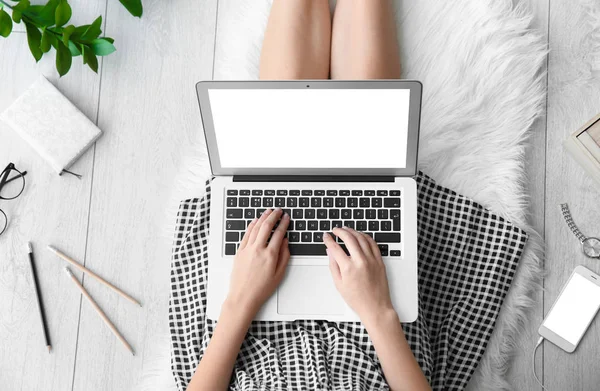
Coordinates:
49 348
29 248
49 247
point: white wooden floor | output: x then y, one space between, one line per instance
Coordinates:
144 100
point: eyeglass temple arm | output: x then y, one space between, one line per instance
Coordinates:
4 181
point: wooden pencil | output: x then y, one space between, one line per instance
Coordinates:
38 296
91 273
110 325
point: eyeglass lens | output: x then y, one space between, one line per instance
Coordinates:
12 183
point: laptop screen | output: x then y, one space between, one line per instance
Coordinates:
311 128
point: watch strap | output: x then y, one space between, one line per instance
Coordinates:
569 220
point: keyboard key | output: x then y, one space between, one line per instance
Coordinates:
269 192
364 202
319 192
391 202
281 192
304 202
358 214
361 225
395 253
371 214
293 237
256 192
318 237
309 214
313 225
328 202
230 249
311 249
369 192
395 216
376 202
373 225
352 202
344 192
306 236
300 225
386 225
231 202
280 202
340 202
395 193
267 202
334 214
387 237
382 214
315 202
291 225
249 213
349 224
294 192
244 202
292 202
287 211
332 192
346 214
297 213
357 193
384 249
321 214
232 236
232 192
369 233
382 192
336 224
244 192
325 225
234 213
260 211
255 202
235 225
306 192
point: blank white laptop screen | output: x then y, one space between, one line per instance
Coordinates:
311 128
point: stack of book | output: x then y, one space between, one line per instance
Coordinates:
584 146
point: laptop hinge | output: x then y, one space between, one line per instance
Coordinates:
313 178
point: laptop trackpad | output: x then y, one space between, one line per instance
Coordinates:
309 290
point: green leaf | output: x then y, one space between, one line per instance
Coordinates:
34 39
16 16
89 58
44 14
93 31
101 47
46 43
67 32
63 59
73 49
134 7
6 24
109 39
63 13
21 6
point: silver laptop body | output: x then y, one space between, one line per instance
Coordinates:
328 152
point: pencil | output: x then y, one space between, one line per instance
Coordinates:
99 311
38 296
91 273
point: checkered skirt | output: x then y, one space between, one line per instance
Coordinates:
467 259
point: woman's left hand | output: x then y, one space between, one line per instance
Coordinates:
259 267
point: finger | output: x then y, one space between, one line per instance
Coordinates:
279 233
336 251
267 226
374 248
259 223
247 234
284 259
334 268
350 241
362 241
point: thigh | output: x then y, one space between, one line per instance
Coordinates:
297 40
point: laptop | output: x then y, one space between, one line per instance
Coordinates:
331 154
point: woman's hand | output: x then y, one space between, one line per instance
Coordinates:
360 278
258 267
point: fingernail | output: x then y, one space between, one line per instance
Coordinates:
344 227
286 216
325 235
266 212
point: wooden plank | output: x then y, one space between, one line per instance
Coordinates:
519 373
149 111
573 98
52 209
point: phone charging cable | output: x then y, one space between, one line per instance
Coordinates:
537 345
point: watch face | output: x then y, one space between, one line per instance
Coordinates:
591 247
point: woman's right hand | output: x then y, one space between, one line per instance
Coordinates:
360 278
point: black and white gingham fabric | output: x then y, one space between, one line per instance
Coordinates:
467 260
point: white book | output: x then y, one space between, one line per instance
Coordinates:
51 124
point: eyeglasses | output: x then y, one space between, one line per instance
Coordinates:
12 184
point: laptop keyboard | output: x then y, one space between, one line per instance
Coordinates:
313 212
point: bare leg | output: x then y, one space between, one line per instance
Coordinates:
364 42
297 42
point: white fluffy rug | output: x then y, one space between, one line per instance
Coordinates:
480 64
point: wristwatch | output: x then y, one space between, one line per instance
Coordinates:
589 245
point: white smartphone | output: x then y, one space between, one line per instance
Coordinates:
573 311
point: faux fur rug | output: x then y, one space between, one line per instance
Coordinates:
480 64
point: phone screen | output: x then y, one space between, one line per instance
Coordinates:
574 309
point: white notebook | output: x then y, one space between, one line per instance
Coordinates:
51 124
